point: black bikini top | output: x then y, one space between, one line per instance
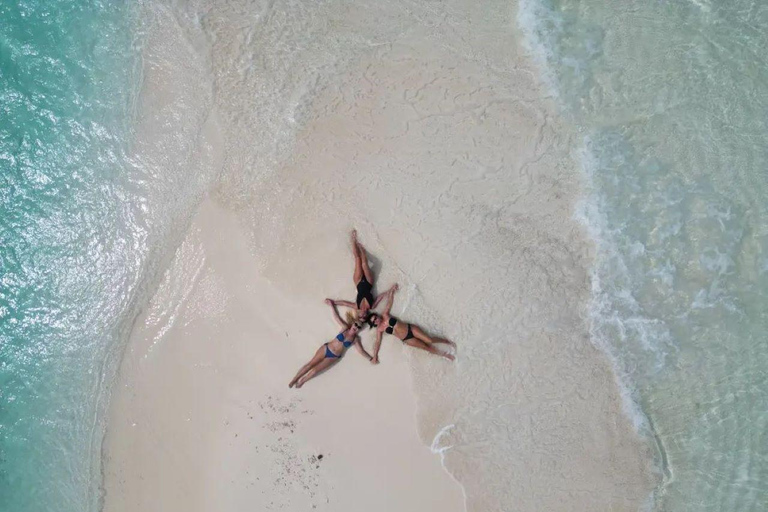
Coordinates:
392 323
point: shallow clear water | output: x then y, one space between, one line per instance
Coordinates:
671 100
100 168
69 241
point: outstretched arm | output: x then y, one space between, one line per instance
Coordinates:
361 349
376 347
383 295
390 299
345 303
336 316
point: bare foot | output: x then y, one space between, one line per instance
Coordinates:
353 236
299 384
291 384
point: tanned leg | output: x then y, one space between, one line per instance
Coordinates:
317 369
358 258
426 338
317 358
415 342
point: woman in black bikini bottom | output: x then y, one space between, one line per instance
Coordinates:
409 334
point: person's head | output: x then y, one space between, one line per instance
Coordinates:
373 320
356 327
351 317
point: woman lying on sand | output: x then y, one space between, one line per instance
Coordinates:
409 334
330 353
363 278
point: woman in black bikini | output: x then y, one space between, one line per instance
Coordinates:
409 334
330 353
363 278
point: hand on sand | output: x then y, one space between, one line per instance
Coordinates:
353 236
395 287
329 302
374 360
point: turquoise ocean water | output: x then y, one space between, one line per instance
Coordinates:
670 103
72 241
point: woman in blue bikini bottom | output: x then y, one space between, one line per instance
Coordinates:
330 353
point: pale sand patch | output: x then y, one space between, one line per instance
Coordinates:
202 418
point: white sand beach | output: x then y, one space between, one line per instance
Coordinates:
204 420
439 145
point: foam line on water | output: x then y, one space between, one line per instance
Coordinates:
540 26
441 451
435 446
